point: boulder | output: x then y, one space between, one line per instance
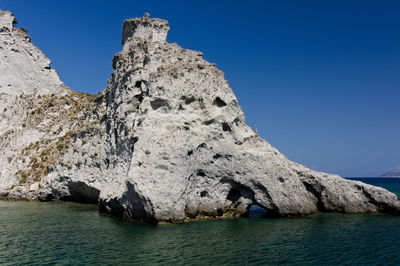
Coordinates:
44 196
34 187
3 194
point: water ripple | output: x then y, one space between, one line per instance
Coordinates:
65 234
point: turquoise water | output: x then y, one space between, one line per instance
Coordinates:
391 184
68 233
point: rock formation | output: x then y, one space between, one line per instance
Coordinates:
38 112
166 141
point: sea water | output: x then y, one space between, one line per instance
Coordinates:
69 233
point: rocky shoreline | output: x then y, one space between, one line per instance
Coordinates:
165 142
15 195
23 193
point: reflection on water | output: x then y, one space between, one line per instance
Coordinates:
68 233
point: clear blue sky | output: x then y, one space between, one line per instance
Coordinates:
320 80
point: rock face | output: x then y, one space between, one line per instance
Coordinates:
39 113
24 68
166 141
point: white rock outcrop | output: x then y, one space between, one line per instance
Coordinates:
167 142
37 111
24 68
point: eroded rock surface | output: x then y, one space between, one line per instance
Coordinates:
39 114
166 141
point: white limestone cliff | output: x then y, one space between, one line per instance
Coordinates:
167 141
37 110
24 68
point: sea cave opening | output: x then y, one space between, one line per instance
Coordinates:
256 211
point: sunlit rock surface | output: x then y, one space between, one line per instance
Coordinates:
166 141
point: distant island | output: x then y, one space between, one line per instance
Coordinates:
391 174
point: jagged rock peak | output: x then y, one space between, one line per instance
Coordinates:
24 68
7 21
145 28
